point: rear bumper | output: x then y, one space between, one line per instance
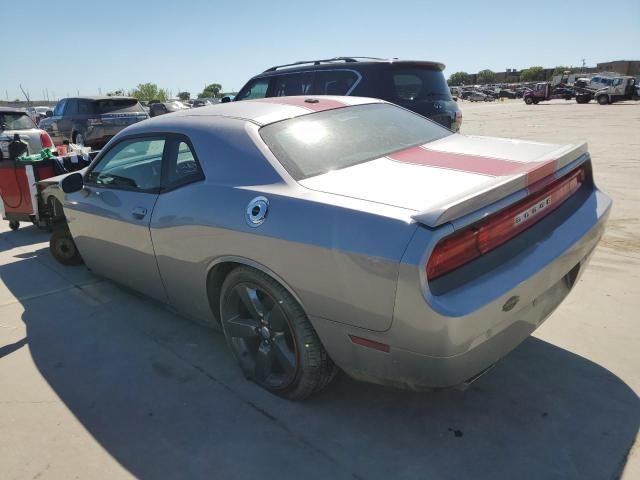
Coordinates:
438 342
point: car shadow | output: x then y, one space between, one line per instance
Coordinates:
164 398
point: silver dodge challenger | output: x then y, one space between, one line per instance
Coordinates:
338 232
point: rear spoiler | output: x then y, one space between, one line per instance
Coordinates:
547 167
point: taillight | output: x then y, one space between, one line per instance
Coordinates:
94 122
490 233
45 140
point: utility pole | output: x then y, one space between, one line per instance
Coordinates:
584 64
47 91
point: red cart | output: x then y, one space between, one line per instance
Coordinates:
20 194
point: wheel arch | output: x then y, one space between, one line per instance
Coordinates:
221 267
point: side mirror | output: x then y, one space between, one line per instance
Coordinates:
72 183
48 114
225 99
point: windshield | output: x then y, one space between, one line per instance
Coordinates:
318 143
119 105
15 121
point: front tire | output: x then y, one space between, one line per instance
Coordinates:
271 336
603 100
63 248
528 100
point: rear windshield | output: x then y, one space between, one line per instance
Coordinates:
419 83
15 121
317 143
118 105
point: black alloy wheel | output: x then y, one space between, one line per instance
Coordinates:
261 336
271 337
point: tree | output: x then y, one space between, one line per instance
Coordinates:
149 91
184 96
116 93
486 76
458 78
211 91
532 73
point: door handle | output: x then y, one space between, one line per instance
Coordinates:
139 212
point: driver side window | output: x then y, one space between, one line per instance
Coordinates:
131 165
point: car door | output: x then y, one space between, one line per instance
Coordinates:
175 231
109 218
65 123
52 124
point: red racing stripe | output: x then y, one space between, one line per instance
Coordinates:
492 167
319 106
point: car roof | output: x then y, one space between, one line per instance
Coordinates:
347 62
261 111
12 110
104 97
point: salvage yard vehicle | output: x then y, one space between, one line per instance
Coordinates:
479 97
161 108
419 86
607 89
92 121
544 91
325 232
17 121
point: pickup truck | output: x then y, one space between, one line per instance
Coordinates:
91 121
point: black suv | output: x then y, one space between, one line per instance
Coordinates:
416 85
91 121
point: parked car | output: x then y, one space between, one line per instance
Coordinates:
38 113
92 121
15 121
479 97
504 93
160 108
419 86
324 231
200 103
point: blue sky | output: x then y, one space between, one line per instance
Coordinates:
70 46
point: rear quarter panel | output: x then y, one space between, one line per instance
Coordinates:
340 262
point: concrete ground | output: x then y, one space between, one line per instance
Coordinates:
99 383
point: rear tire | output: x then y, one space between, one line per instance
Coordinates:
63 248
271 336
582 99
14 225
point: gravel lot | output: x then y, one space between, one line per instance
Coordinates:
99 383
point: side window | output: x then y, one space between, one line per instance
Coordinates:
85 107
256 89
59 108
407 85
72 107
293 84
132 165
334 82
182 165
